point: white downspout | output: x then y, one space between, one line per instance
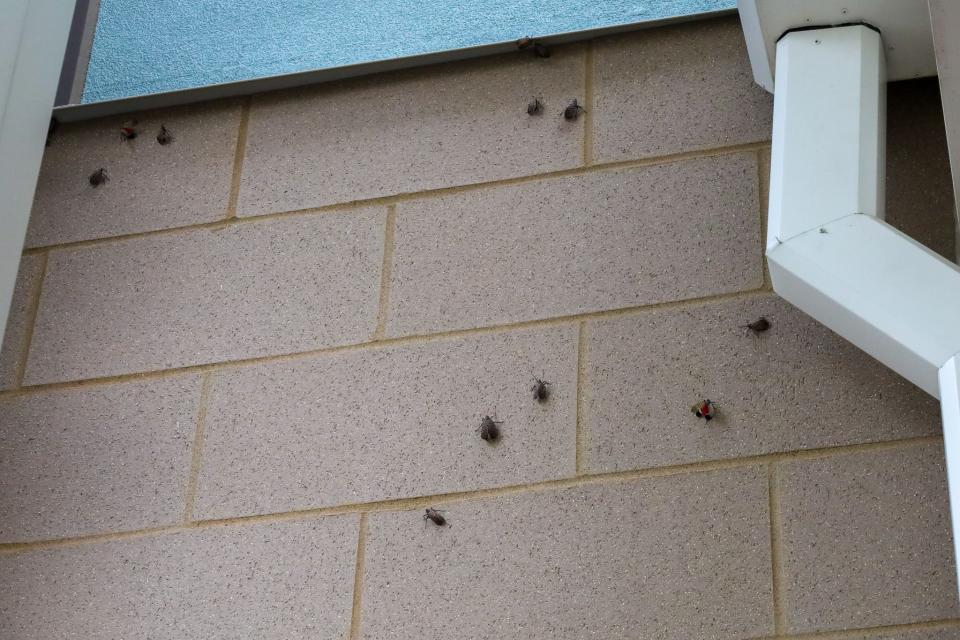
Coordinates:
829 251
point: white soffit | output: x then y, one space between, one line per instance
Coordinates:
904 24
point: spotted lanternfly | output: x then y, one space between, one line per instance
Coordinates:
489 429
540 391
704 409
98 177
535 107
127 132
573 110
538 49
434 516
759 325
164 137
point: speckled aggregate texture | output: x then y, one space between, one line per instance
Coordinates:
18 321
275 581
582 243
151 186
389 423
669 558
677 89
84 461
796 386
275 286
404 132
867 540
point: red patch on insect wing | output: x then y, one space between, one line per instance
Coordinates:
704 409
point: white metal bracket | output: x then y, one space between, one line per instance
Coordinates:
828 249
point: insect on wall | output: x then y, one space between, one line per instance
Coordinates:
538 49
164 137
541 392
98 177
436 517
573 110
128 130
489 429
704 409
759 325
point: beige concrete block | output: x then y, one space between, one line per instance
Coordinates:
247 290
796 386
14 347
675 89
385 423
409 131
275 581
866 540
151 186
575 244
96 459
671 558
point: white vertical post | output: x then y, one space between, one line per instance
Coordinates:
33 37
950 409
945 21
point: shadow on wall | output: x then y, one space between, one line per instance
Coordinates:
920 199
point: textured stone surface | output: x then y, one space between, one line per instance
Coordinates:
670 558
151 186
866 540
276 581
410 131
682 88
796 386
389 423
574 244
680 557
270 287
96 459
14 339
919 186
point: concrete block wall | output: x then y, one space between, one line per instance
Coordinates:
236 375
